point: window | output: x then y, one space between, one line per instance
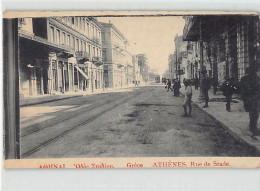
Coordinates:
73 43
84 47
52 34
77 45
76 22
58 36
68 40
73 20
89 49
94 52
80 24
84 29
97 53
63 40
88 29
96 33
93 32
81 46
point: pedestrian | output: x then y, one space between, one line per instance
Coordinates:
169 84
176 87
228 88
187 98
250 90
205 86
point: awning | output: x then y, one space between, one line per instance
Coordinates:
82 72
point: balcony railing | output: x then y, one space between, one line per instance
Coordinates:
80 55
97 60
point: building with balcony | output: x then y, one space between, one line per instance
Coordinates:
117 59
228 44
59 55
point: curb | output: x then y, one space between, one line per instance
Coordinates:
227 129
47 101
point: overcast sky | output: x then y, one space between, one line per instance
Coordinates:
153 36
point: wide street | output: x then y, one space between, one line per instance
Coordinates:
132 122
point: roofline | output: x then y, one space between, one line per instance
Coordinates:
114 27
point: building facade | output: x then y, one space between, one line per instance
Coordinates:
143 64
227 46
137 77
117 59
59 55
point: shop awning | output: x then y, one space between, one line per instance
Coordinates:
82 72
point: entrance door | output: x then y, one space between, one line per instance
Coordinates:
38 80
60 80
66 76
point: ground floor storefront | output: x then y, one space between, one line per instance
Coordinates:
50 71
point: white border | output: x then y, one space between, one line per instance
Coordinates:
126 179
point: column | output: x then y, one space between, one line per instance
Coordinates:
63 77
73 82
78 79
50 83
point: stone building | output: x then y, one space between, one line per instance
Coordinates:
116 57
137 77
227 46
59 55
143 64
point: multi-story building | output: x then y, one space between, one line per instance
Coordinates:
172 66
137 78
143 64
227 46
59 55
115 56
181 57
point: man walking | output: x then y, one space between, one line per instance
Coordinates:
250 89
205 86
187 98
169 84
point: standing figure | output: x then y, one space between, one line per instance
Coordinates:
205 86
228 88
176 87
250 89
187 98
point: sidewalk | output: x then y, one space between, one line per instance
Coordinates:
235 122
38 99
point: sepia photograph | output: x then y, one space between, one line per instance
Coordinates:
132 85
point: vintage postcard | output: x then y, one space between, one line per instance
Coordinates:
131 89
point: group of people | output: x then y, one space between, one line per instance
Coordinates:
175 88
248 87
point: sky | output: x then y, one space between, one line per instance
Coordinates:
153 36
